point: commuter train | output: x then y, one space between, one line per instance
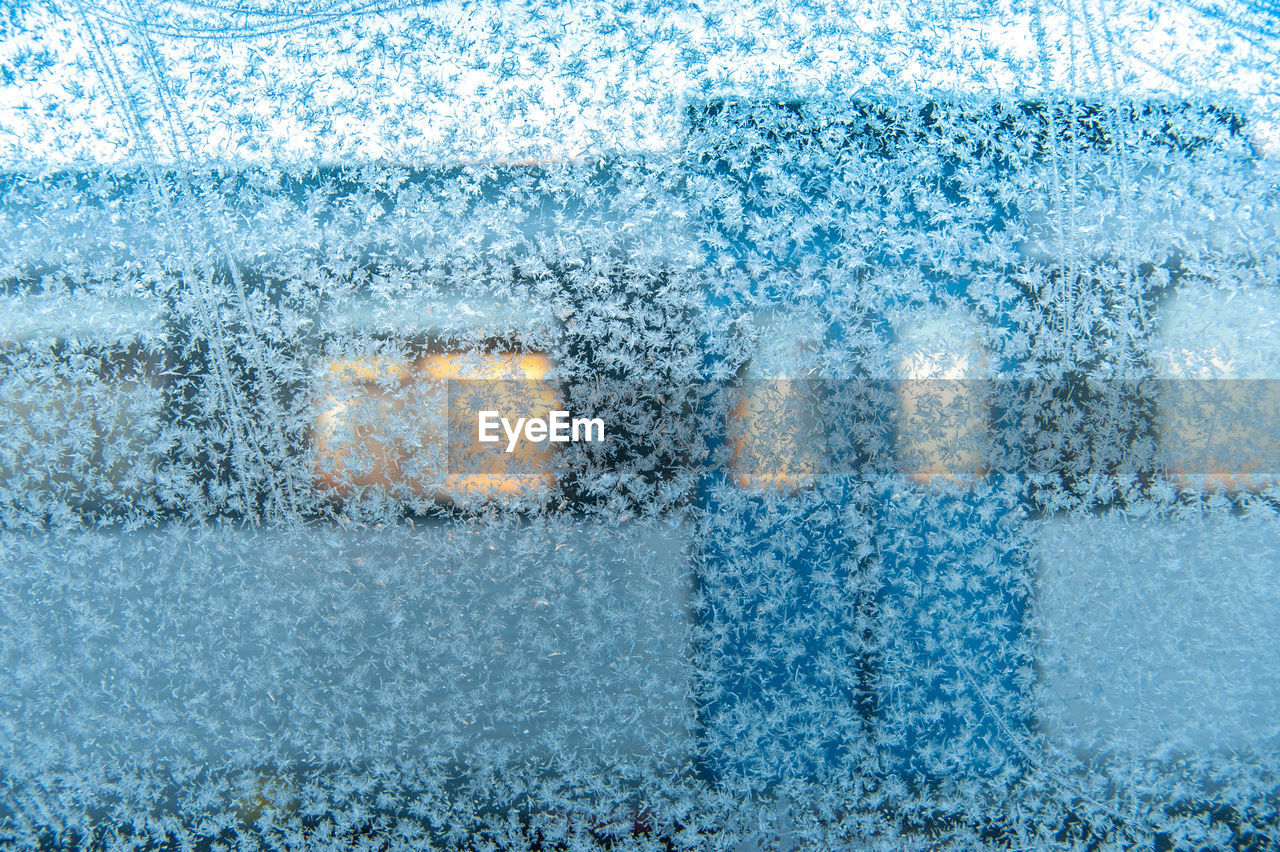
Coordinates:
878 417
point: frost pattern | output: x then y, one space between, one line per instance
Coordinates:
937 351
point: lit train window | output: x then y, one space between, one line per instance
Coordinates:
407 427
1219 359
512 386
776 426
942 419
362 410
399 388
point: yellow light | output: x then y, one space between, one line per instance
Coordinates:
500 366
770 450
375 368
265 793
352 435
1220 435
385 425
774 430
512 382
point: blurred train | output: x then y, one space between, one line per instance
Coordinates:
832 444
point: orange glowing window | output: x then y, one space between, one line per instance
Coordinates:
771 450
515 386
774 429
406 427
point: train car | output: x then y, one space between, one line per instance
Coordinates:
857 463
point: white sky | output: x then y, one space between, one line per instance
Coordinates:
515 80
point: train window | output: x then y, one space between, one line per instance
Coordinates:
83 405
355 432
510 387
1219 359
399 388
942 417
409 426
776 426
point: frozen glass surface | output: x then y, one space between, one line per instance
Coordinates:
933 348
